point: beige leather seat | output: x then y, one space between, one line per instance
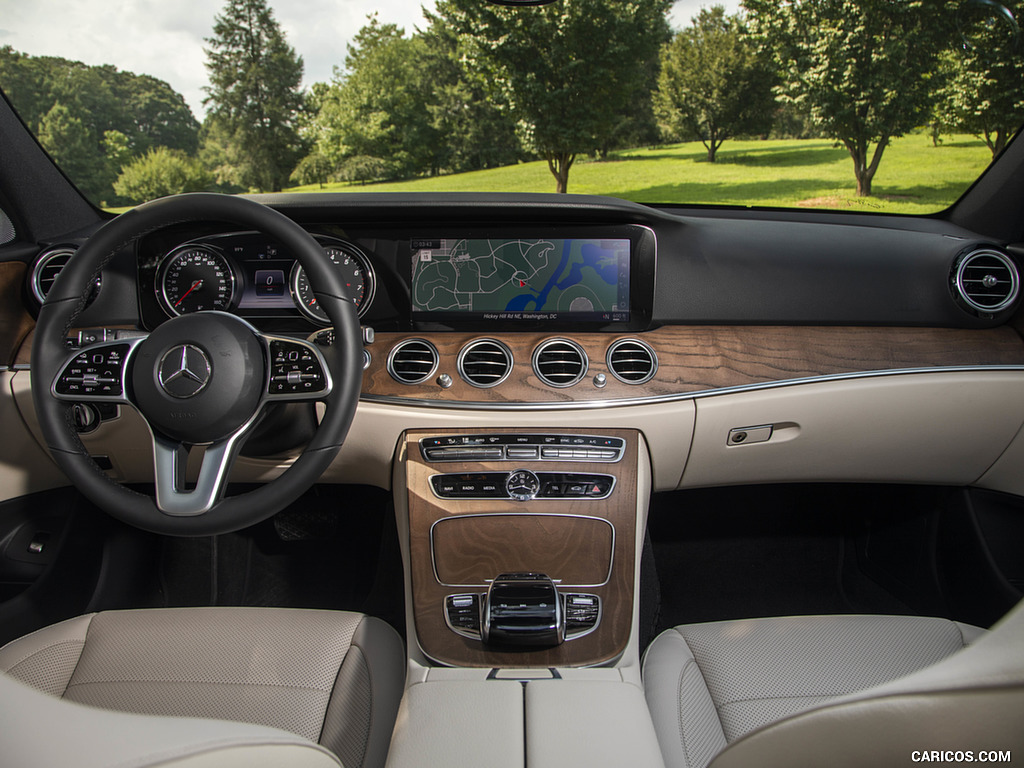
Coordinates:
301 678
834 690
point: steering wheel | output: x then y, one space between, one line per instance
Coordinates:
201 379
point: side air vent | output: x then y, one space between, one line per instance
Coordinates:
986 281
485 363
631 361
412 361
46 269
560 362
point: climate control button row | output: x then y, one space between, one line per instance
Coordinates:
522 485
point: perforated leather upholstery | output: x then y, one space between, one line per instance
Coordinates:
708 685
331 677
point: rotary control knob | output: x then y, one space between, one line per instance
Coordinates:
522 485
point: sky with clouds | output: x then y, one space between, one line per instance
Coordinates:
164 38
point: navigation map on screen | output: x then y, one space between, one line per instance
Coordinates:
521 279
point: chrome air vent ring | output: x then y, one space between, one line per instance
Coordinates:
986 281
48 266
560 362
632 361
485 363
412 361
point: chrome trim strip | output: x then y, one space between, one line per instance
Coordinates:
463 405
611 555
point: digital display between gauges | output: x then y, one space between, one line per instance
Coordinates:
356 275
194 278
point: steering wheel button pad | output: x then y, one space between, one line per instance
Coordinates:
96 371
296 368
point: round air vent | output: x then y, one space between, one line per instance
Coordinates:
485 363
631 361
46 269
412 361
560 362
986 281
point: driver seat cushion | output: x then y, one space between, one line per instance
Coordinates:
335 678
707 685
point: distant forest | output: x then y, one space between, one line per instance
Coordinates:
96 120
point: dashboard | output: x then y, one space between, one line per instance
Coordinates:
563 311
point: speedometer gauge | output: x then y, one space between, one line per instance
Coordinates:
194 278
356 274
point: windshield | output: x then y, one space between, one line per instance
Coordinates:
876 105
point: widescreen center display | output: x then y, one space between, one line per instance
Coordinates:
510 280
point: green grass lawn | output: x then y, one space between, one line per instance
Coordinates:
914 176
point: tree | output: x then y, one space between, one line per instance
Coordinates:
107 116
376 108
74 148
862 70
314 168
158 115
254 93
568 70
473 123
984 94
713 84
159 172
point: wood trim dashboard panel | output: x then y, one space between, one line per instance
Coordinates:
439 642
15 321
703 358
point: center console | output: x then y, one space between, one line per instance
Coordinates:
522 545
522 577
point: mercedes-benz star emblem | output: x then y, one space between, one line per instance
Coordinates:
184 371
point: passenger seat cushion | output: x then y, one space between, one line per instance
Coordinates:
709 684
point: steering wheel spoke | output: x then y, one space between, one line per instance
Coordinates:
297 370
174 497
96 373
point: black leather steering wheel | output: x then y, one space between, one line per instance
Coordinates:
199 379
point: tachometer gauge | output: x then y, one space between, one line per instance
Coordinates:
194 278
356 274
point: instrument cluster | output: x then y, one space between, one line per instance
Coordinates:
249 274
